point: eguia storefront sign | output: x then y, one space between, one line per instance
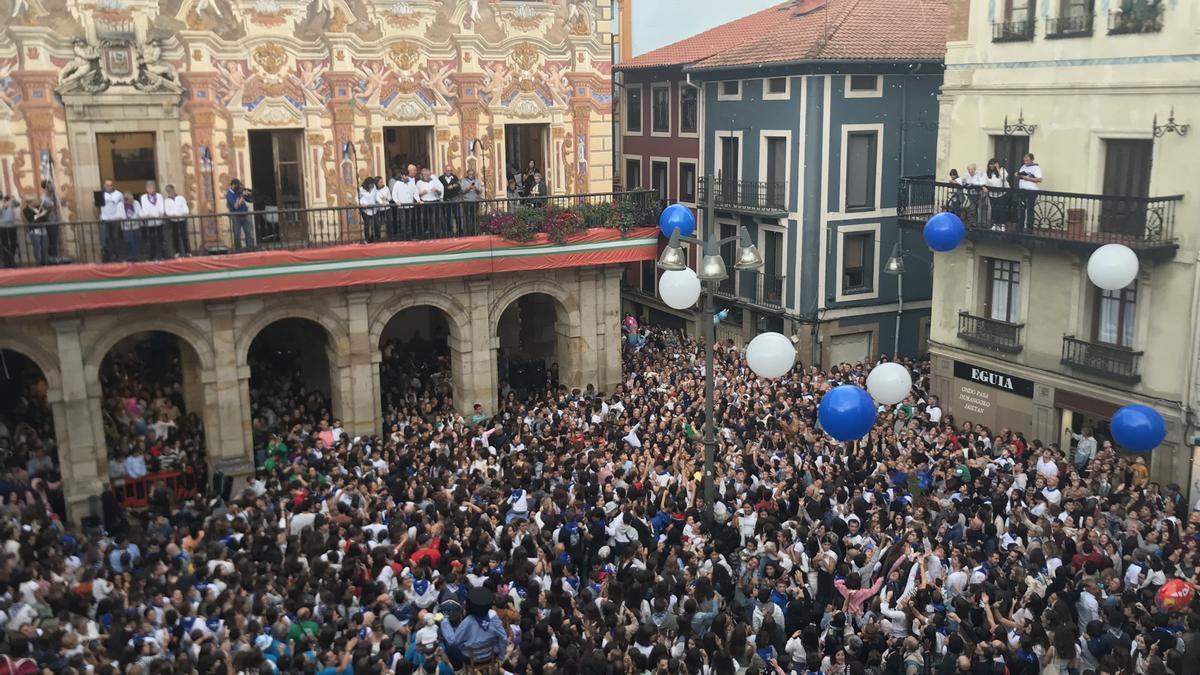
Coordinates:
996 397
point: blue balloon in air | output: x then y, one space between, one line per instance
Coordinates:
1138 428
944 232
677 217
847 413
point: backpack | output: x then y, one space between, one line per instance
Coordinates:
11 666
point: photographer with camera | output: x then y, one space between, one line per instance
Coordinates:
10 207
238 200
1030 175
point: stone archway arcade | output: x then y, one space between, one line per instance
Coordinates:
339 333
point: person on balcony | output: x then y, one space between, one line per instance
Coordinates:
238 201
368 203
404 200
1030 177
975 203
131 226
383 198
995 185
10 207
44 223
175 208
151 204
429 191
472 192
111 214
451 194
537 191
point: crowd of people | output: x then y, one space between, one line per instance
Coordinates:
565 532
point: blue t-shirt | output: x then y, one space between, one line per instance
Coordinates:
332 670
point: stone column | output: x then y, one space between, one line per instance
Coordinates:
361 413
590 291
608 329
228 425
78 424
473 360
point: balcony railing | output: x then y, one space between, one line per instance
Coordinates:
767 290
1108 361
770 289
1069 26
1136 16
744 195
1145 224
39 244
1012 31
991 333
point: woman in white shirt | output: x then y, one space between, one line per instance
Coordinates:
383 197
151 204
175 208
995 184
368 201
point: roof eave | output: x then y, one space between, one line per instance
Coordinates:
624 67
697 68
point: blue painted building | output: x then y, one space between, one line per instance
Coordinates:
805 134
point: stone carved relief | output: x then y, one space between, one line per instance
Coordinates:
270 57
83 72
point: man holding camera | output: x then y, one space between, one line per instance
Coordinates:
10 208
238 200
1030 175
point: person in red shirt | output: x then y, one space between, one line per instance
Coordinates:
429 550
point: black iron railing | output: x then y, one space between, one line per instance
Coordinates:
727 287
1012 31
1138 222
769 290
1079 25
138 240
1137 16
1098 358
744 194
992 333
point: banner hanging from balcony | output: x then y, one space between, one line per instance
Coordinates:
78 287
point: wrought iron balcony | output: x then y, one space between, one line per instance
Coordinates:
1137 16
1000 336
140 240
1012 31
766 291
1065 220
759 198
1097 358
1061 27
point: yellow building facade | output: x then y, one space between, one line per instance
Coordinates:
300 100
1100 93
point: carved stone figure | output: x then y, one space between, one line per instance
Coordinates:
154 74
83 72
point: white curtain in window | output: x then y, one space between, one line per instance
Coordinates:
1112 326
1001 311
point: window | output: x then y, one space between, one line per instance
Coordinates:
1114 314
729 255
1010 150
730 158
1016 22
731 90
776 172
688 110
633 174
649 273
660 110
776 89
772 276
858 263
658 178
861 157
1003 299
863 85
633 109
1126 174
687 182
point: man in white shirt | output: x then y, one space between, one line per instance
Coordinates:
934 410
404 195
175 208
1030 176
429 192
111 213
152 231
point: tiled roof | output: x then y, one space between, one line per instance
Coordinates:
844 30
712 41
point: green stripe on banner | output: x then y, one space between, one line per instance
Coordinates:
93 285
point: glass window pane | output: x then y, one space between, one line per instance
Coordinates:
860 170
687 109
633 110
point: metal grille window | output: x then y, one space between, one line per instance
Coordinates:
1003 289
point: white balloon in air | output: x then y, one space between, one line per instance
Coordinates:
770 355
1112 266
679 289
889 383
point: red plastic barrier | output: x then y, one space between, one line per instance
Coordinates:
135 493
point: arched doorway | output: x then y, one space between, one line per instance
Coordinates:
27 436
291 378
529 337
415 370
152 406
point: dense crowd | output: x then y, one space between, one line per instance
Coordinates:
565 534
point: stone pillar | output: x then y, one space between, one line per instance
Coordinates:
473 360
608 329
590 291
361 409
228 425
78 424
193 388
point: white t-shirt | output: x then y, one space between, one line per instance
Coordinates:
404 192
430 190
1033 170
175 207
112 208
152 207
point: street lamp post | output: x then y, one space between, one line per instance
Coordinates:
711 272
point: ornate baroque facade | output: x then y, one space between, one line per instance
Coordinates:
340 74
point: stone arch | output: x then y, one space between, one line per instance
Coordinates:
457 316
335 329
185 331
42 358
567 304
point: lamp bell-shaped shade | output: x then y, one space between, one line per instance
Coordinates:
712 268
748 257
673 257
895 262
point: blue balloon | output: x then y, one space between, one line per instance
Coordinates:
677 217
944 232
847 413
1138 428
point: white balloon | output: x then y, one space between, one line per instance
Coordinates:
679 289
770 355
889 383
1113 266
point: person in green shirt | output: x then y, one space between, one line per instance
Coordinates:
303 626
